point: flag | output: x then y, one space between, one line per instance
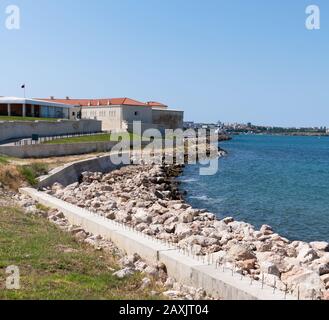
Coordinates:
23 86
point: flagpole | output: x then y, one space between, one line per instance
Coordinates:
24 88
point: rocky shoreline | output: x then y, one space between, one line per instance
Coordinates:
148 199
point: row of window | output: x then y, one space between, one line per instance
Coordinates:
99 113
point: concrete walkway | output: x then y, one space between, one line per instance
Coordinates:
216 280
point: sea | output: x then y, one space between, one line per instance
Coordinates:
281 181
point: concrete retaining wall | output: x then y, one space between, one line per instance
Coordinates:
55 150
183 268
70 173
25 129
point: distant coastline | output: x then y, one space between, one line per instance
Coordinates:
290 134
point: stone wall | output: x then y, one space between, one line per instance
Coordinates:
168 119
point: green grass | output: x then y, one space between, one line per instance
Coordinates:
47 272
6 118
3 160
33 171
95 138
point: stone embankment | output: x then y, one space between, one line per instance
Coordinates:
147 198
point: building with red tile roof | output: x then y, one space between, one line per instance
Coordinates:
116 114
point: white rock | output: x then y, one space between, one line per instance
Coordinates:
171 294
307 255
325 278
219 256
123 273
241 252
220 226
266 230
321 268
269 268
140 266
186 217
308 283
151 271
169 283
228 220
320 245
183 230
146 283
142 216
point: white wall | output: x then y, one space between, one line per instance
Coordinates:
111 117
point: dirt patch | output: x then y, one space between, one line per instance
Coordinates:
10 176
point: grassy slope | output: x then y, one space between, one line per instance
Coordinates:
6 118
94 138
3 160
47 272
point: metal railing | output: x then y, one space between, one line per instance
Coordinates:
208 259
41 140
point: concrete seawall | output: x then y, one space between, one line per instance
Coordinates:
71 172
39 151
185 269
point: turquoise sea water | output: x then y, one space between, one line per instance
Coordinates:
275 180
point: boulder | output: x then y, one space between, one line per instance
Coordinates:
326 295
307 283
307 255
151 271
122 216
124 273
247 264
228 220
158 209
241 252
186 217
269 268
321 268
81 235
140 265
266 230
180 206
171 294
263 246
141 227
142 216
220 226
320 246
170 228
325 279
183 230
146 283
171 220
169 283
219 256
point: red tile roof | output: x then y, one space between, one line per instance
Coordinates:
97 102
156 104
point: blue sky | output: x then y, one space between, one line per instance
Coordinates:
234 61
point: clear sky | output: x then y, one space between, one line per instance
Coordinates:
234 61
